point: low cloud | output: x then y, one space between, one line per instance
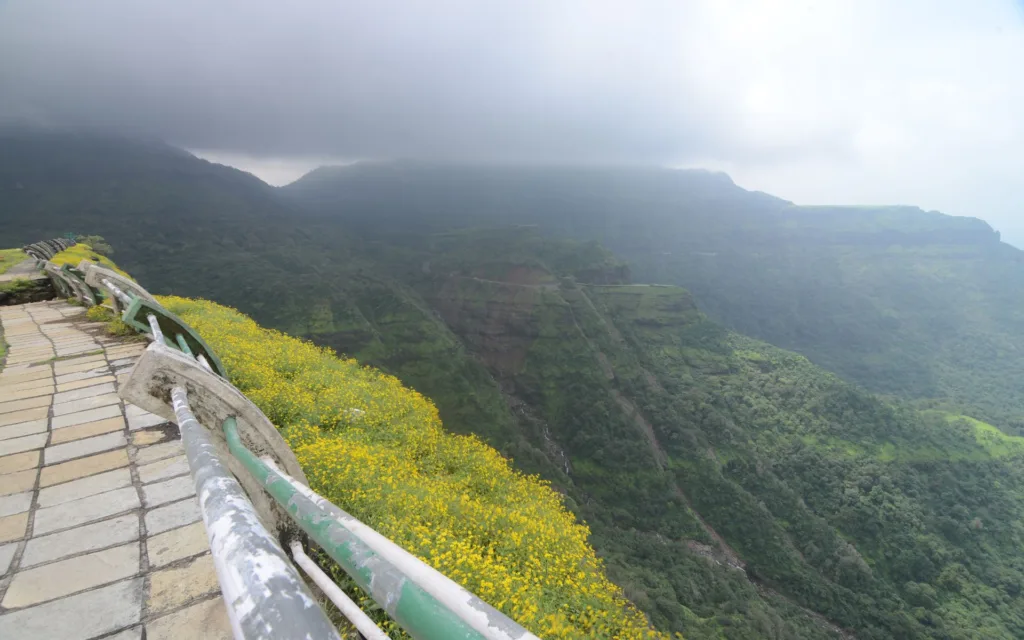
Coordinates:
915 102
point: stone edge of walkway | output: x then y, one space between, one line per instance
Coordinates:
196 588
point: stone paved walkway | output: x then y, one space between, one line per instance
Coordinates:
26 269
100 532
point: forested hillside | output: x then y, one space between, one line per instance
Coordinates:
734 489
896 299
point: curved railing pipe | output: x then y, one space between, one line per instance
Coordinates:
426 604
262 589
265 597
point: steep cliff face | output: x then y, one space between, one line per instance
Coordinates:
898 300
729 485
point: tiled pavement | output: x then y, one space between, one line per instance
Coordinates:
100 533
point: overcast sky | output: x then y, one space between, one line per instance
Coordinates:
847 102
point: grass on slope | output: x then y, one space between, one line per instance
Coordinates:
379 451
957 438
995 443
9 258
81 251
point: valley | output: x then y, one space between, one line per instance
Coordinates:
778 422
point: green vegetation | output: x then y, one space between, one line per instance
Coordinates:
74 255
377 449
97 243
115 326
9 258
22 290
18 285
733 489
899 300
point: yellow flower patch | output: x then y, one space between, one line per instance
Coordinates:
81 251
378 450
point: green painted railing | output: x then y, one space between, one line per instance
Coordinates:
425 603
406 602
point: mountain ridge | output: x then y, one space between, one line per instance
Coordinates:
664 429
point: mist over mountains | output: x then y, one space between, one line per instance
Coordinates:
779 421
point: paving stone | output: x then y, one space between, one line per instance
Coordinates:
99 372
171 516
85 615
78 364
207 620
146 438
134 410
74 345
86 430
127 349
145 421
65 349
24 443
83 467
83 510
135 633
171 588
6 555
24 416
72 381
73 338
84 447
156 452
92 415
176 544
43 376
23 386
35 373
52 581
17 406
7 396
30 344
166 468
91 537
33 359
18 503
30 357
19 462
27 344
84 392
13 527
22 429
18 481
77 338
85 404
84 487
154 495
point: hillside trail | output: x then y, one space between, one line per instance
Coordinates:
100 530
26 269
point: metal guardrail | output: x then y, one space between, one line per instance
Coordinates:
421 600
264 593
46 249
265 596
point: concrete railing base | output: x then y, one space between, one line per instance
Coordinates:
213 399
